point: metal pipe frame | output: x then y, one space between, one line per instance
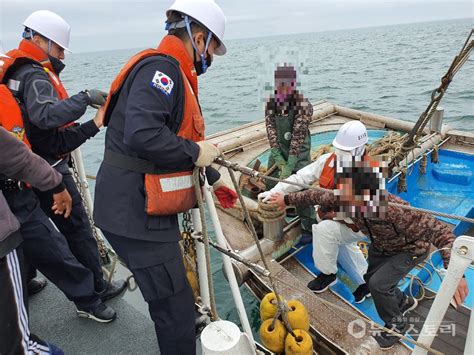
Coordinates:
462 255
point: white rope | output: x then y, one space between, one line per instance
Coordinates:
257 174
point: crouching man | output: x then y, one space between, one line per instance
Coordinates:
400 238
334 239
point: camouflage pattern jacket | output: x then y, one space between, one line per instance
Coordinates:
300 125
401 230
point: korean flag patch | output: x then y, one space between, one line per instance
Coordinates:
163 82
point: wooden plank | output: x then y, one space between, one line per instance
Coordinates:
451 337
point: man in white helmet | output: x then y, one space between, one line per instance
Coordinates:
48 113
154 139
334 240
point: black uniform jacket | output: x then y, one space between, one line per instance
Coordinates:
143 125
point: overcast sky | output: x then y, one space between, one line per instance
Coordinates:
112 24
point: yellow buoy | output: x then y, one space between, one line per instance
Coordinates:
298 315
268 306
301 345
274 340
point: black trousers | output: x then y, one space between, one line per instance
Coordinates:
383 275
159 272
15 337
47 250
76 229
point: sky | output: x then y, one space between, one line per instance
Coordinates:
115 24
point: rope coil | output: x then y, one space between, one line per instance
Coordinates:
269 212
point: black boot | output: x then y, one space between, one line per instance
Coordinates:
322 282
36 285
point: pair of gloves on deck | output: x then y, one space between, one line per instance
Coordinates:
286 167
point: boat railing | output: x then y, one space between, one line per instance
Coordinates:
462 255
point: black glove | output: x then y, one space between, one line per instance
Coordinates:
96 97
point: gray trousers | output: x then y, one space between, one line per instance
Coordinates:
383 275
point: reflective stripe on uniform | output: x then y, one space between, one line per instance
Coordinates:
176 183
14 84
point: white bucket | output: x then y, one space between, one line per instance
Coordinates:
224 337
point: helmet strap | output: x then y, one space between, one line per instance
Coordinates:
204 64
359 151
28 33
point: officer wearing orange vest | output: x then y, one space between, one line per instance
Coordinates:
32 76
155 137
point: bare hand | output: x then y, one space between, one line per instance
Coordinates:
62 203
99 117
278 198
461 292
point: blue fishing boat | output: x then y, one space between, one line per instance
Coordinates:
338 324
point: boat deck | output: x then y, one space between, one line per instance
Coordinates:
452 334
53 318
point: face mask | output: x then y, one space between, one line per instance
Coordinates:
58 65
356 152
342 153
199 65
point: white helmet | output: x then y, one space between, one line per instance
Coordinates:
206 12
50 25
350 136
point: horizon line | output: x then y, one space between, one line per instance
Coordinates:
298 33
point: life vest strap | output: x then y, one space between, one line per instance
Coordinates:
137 165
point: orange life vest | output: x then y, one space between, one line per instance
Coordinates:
29 50
11 118
171 192
326 180
10 115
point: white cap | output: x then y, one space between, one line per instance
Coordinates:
50 25
350 136
206 12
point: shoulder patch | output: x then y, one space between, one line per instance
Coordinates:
162 82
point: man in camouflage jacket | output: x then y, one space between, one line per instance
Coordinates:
400 239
